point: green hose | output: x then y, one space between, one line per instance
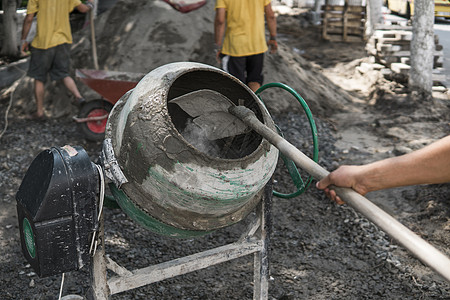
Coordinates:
291 167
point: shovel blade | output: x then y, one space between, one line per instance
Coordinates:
202 102
210 112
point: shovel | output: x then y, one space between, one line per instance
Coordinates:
207 108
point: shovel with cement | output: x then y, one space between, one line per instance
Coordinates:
218 117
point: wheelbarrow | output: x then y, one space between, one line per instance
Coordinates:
111 86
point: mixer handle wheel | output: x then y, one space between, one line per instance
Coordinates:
290 165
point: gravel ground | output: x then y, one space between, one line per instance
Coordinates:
318 250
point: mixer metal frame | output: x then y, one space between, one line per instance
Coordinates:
255 240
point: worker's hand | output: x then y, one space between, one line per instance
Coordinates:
344 176
273 45
24 48
219 61
90 4
218 51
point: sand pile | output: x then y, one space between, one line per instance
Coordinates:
140 35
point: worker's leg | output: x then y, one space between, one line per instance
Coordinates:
235 66
60 70
254 66
72 87
254 86
40 63
39 90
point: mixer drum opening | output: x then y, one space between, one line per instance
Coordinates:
172 186
231 147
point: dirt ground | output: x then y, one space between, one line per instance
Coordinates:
318 250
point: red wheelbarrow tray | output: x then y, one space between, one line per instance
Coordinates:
111 85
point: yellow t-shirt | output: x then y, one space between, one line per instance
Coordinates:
53 26
245 31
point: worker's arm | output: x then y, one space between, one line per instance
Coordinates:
219 29
84 8
429 165
272 26
24 47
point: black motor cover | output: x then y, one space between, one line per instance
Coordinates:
57 210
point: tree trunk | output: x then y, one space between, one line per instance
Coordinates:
317 5
10 43
373 15
422 48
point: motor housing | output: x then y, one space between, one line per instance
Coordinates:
57 210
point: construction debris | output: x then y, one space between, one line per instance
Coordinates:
391 46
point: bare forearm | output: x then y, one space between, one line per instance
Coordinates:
219 31
429 165
26 26
272 24
219 26
425 166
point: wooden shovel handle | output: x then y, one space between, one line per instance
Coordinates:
425 252
93 40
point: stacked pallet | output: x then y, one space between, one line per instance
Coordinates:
343 23
391 46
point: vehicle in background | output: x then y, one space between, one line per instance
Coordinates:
442 8
406 7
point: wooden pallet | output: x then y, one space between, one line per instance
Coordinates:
343 23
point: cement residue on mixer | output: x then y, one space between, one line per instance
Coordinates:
196 136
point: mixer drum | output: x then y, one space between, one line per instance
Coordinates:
169 177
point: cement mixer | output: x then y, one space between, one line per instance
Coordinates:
178 182
163 173
174 179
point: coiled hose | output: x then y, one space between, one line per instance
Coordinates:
291 167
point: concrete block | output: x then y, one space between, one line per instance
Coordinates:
400 68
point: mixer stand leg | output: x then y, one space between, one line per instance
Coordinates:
99 285
254 241
261 261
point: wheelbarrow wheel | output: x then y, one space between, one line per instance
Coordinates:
94 130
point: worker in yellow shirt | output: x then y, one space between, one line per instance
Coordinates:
50 50
242 50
